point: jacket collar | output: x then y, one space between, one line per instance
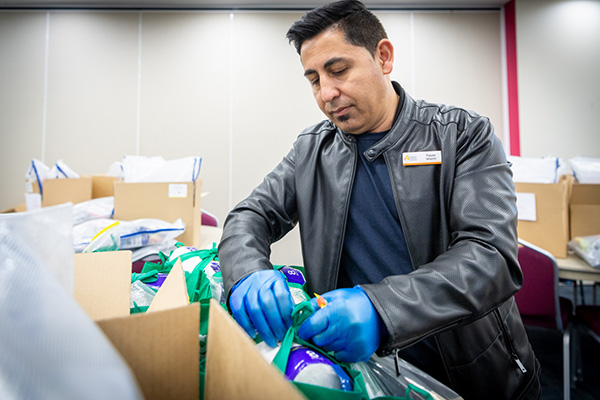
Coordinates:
405 109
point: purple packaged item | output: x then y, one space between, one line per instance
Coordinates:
308 366
293 275
158 282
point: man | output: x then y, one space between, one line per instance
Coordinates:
407 219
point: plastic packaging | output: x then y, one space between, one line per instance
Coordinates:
188 264
153 251
56 249
134 234
35 175
588 248
141 294
294 275
115 169
307 366
156 169
213 273
586 169
537 170
50 348
61 170
100 208
108 239
382 372
160 279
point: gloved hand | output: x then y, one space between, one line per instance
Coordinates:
262 302
349 325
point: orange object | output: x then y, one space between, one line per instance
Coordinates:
321 301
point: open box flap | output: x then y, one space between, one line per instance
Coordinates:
162 349
102 283
173 292
234 367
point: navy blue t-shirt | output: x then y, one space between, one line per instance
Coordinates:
374 243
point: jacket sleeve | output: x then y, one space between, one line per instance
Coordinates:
264 217
476 268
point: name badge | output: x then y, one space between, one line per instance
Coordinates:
422 158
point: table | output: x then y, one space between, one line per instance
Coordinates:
574 268
209 235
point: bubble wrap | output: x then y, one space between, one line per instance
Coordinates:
49 347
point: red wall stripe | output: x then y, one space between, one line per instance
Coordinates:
510 29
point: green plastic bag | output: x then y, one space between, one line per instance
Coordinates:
198 286
300 313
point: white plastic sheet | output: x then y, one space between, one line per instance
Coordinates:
134 234
101 207
49 347
537 170
49 231
156 169
586 169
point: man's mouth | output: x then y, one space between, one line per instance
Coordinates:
340 111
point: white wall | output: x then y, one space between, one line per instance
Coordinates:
89 87
558 59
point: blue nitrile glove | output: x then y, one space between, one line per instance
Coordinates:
348 325
262 302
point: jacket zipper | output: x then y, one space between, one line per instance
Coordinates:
346 206
396 362
410 253
511 348
399 210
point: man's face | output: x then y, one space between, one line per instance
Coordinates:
347 81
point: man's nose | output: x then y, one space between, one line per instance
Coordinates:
329 91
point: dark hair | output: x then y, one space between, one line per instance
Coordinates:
359 25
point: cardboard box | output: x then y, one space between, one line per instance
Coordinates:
544 214
585 210
102 186
102 283
18 208
234 367
162 347
59 191
162 200
75 190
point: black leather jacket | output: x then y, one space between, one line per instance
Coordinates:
459 220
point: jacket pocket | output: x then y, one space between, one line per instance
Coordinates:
493 358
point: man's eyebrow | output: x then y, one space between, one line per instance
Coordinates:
327 64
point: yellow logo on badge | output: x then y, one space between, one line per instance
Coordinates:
422 158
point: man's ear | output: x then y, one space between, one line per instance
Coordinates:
384 55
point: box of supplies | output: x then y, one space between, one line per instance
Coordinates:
162 347
102 186
74 190
166 201
544 214
585 210
59 191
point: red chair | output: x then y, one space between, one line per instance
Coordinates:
539 303
208 218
